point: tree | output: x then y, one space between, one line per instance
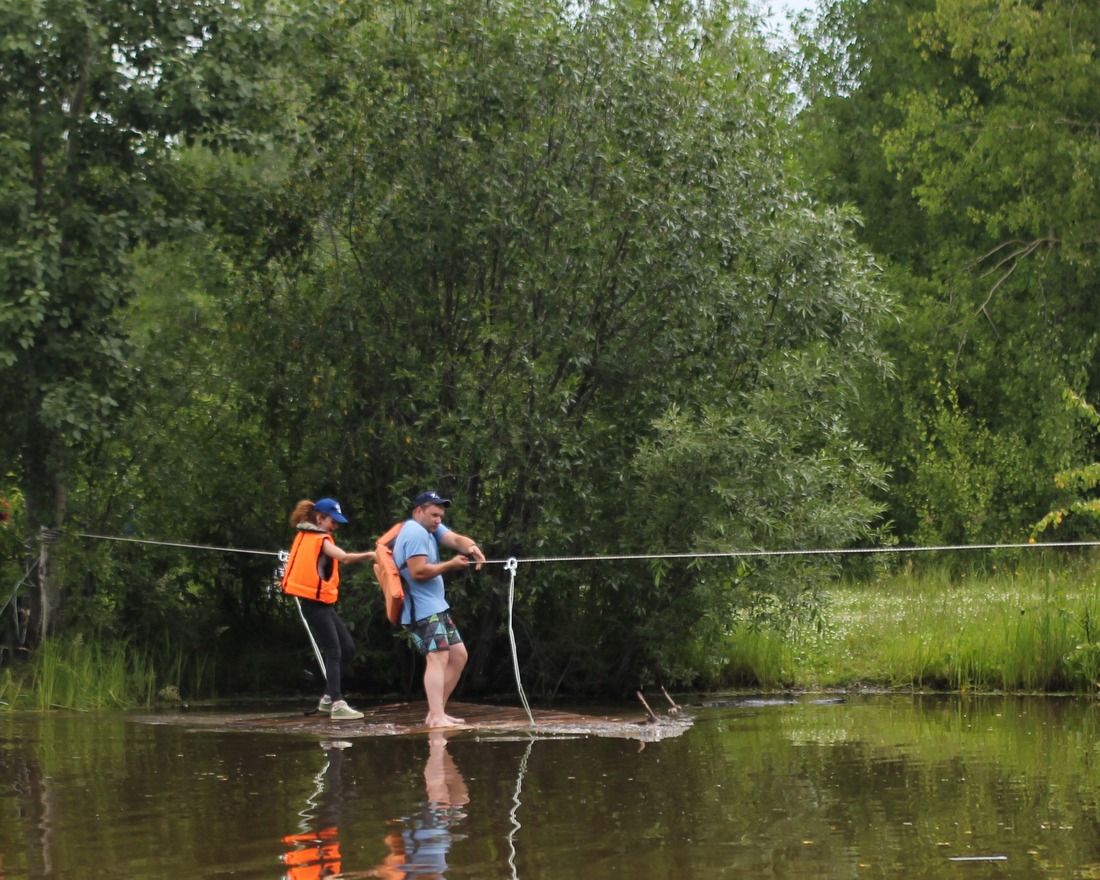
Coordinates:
975 186
94 99
544 244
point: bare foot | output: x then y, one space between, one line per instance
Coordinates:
452 720
445 721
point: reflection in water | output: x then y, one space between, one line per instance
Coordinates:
314 851
21 770
312 854
516 804
929 787
420 850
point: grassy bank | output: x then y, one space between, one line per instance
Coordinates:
1014 628
88 675
1030 629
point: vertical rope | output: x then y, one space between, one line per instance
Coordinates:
284 557
511 566
312 641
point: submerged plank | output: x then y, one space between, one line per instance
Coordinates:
397 719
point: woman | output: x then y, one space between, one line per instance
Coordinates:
312 576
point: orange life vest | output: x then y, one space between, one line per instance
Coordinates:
304 569
389 578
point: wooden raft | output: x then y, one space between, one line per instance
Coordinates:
401 719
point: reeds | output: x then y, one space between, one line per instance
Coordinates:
81 674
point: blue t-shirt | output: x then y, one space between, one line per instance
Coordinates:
427 596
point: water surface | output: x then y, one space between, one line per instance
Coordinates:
930 787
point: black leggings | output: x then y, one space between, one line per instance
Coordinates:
334 640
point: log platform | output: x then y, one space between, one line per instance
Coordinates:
404 719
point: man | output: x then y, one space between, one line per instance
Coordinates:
426 614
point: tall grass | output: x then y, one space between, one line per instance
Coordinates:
757 656
89 675
1029 630
79 675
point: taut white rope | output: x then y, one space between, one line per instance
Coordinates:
839 551
716 554
174 544
510 566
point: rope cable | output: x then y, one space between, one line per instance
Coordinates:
715 554
511 566
312 641
839 551
176 544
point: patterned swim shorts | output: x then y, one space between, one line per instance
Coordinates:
435 633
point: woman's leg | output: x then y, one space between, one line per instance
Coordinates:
347 645
334 640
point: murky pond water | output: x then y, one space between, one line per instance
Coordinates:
871 787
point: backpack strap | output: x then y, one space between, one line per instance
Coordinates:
403 570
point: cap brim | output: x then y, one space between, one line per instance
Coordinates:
422 501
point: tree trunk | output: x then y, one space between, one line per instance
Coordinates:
49 591
45 601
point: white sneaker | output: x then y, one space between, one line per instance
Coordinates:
325 705
341 711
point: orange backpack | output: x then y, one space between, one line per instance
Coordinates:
389 578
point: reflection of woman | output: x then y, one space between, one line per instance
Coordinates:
421 851
312 855
312 575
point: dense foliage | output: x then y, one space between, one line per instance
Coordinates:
94 98
963 132
574 265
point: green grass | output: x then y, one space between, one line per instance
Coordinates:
1034 630
78 674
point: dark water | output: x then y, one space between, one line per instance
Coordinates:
873 787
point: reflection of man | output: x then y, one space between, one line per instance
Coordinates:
443 783
421 850
426 614
313 854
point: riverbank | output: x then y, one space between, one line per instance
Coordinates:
1022 627
1019 627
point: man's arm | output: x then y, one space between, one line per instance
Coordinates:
465 546
422 570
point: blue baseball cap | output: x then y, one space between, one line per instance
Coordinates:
331 507
431 497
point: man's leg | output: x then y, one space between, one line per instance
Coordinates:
445 657
435 684
456 662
